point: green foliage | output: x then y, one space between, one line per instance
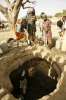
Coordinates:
58 14
63 13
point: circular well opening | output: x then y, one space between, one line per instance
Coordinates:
31 81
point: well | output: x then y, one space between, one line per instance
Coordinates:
37 56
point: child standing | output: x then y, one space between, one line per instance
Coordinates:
47 34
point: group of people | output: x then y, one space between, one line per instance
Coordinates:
45 27
26 27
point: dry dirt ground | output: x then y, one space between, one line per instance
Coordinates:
4 35
60 92
12 58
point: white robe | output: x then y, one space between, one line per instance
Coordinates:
61 43
63 48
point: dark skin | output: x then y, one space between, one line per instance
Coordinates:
15 78
31 71
64 18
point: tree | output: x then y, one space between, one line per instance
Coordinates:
12 10
64 12
58 14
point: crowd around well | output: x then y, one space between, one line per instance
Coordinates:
29 28
29 82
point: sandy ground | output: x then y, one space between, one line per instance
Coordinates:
4 35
